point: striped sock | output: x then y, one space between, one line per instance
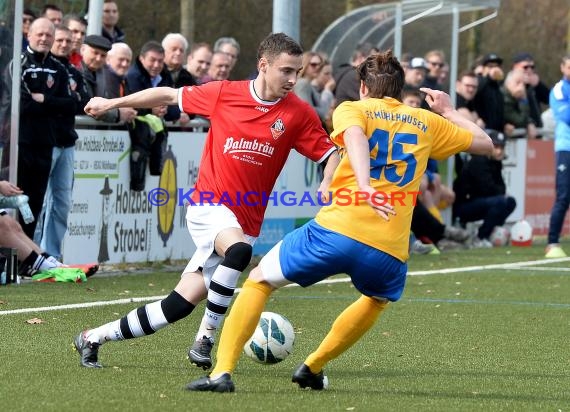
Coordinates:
144 320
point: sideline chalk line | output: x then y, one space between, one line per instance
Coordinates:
514 265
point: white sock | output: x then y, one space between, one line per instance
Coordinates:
220 294
49 263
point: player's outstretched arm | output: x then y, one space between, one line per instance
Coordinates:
356 143
440 103
328 172
145 99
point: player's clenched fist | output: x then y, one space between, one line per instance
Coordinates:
97 106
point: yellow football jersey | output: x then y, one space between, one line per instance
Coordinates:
401 140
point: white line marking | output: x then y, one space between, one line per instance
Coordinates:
515 265
539 269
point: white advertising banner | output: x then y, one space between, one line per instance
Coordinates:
110 223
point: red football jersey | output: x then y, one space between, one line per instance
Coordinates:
248 144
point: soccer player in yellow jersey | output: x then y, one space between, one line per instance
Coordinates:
364 231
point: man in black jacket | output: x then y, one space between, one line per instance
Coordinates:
347 81
52 222
45 97
480 192
488 101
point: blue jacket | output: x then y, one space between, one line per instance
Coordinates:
560 105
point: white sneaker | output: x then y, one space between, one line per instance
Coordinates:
420 248
481 244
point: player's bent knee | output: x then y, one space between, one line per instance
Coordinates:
175 307
238 256
256 275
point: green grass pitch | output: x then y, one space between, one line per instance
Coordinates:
468 340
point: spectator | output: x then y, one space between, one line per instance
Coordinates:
93 56
230 47
466 88
198 61
324 86
115 71
481 192
405 60
147 72
78 27
219 68
412 96
52 222
345 77
435 60
175 46
52 13
430 230
516 104
118 62
560 105
28 16
312 64
110 30
536 91
416 73
44 97
488 101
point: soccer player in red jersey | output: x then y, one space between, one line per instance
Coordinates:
254 126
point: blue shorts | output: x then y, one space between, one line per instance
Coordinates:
312 253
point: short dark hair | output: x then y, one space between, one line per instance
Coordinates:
49 7
466 73
383 75
277 43
62 27
409 90
151 45
74 17
29 12
199 45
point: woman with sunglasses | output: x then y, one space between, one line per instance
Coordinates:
313 62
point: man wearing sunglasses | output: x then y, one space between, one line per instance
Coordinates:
435 60
536 91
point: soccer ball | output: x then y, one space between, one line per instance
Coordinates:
521 234
272 340
500 236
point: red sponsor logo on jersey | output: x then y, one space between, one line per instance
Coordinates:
277 128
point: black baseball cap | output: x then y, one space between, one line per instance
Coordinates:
491 58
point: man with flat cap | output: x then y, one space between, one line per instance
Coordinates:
94 54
